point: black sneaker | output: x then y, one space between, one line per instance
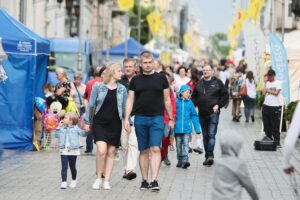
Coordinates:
198 150
87 151
186 165
190 150
210 161
130 175
205 161
252 118
154 187
144 185
179 165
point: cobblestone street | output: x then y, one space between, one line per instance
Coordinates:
36 175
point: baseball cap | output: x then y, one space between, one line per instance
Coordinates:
271 72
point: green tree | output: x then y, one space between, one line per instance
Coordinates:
220 45
133 21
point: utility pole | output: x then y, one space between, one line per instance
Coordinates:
282 20
139 21
79 61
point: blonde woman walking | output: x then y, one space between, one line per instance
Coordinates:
109 99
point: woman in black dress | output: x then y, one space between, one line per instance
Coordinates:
109 99
63 87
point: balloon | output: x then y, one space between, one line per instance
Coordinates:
51 121
40 103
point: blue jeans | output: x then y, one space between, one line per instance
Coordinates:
182 146
209 125
149 131
65 160
89 142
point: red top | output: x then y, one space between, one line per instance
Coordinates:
192 85
173 103
89 87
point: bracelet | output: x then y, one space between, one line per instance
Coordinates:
171 119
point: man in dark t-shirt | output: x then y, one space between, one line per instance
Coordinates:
149 92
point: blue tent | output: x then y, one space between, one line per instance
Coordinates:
133 46
26 71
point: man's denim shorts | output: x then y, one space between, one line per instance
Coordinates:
149 131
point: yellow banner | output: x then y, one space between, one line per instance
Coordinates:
187 39
155 22
125 5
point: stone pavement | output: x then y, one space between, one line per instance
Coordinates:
36 175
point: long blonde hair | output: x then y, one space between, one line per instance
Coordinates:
110 71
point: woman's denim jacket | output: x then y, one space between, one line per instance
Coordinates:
73 131
101 89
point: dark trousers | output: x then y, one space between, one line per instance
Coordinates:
65 160
249 104
89 142
209 125
271 121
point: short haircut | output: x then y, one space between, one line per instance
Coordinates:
78 75
73 117
181 67
126 60
146 54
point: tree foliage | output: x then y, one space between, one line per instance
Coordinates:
133 21
220 44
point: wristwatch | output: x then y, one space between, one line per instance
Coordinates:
171 119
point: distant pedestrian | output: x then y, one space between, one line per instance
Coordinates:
195 77
182 78
168 138
108 99
187 119
77 92
231 173
63 87
235 85
250 99
210 95
149 93
129 140
68 133
271 107
98 78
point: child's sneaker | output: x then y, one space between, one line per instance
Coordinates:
97 184
106 185
154 187
73 184
63 185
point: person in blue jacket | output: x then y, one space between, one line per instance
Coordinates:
186 116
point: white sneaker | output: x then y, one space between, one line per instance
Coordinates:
73 184
97 184
63 185
106 185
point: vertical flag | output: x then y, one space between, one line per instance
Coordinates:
155 22
125 5
255 48
280 65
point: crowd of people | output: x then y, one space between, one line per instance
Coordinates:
143 109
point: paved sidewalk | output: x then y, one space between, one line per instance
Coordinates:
36 175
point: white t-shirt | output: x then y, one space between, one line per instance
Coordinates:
224 75
270 99
251 89
179 82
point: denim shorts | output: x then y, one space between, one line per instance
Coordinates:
149 131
